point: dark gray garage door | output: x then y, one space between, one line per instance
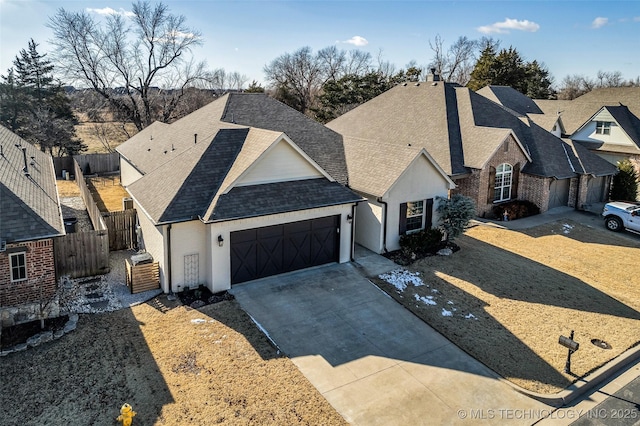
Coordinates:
261 252
559 193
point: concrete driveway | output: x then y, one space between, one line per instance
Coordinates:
373 360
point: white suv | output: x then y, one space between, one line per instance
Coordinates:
620 215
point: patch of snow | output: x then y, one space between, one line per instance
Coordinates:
433 290
400 278
446 313
470 316
427 300
566 228
198 321
450 302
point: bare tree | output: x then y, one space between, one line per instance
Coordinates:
138 64
456 63
576 85
237 80
297 78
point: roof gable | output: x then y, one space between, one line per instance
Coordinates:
29 205
282 161
322 144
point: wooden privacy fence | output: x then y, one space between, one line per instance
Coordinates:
142 277
82 254
92 207
122 229
97 163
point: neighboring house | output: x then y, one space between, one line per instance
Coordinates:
606 121
240 189
30 219
493 154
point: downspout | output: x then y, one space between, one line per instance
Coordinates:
353 225
168 266
384 224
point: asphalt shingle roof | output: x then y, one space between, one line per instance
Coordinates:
576 112
459 128
279 197
29 205
323 145
187 177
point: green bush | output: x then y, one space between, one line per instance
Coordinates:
422 243
515 209
625 182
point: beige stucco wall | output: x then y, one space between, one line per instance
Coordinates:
153 238
368 224
420 181
128 173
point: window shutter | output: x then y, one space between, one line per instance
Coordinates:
515 175
403 219
428 210
492 184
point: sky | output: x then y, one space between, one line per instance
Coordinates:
569 37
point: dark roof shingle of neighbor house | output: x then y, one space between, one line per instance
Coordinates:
459 128
29 205
189 166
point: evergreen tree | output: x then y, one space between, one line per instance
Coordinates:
483 73
625 182
35 106
507 68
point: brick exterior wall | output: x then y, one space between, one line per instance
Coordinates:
41 275
476 186
535 189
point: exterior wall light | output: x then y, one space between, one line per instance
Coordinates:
220 240
349 218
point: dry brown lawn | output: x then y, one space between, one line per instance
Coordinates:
67 188
107 192
525 289
177 366
86 131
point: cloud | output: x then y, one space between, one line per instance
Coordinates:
599 22
637 19
509 24
105 11
357 41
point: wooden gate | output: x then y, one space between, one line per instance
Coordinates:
122 229
82 254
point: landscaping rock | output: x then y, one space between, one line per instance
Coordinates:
34 340
197 304
46 336
445 252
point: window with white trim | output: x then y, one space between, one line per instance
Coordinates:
603 127
504 178
18 262
415 215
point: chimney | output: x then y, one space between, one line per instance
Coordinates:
432 76
26 165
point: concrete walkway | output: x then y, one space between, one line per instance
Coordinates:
373 360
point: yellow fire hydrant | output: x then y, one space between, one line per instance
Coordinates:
126 415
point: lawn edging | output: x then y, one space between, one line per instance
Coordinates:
582 385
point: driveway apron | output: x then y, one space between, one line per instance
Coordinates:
373 360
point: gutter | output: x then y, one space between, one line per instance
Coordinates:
384 224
